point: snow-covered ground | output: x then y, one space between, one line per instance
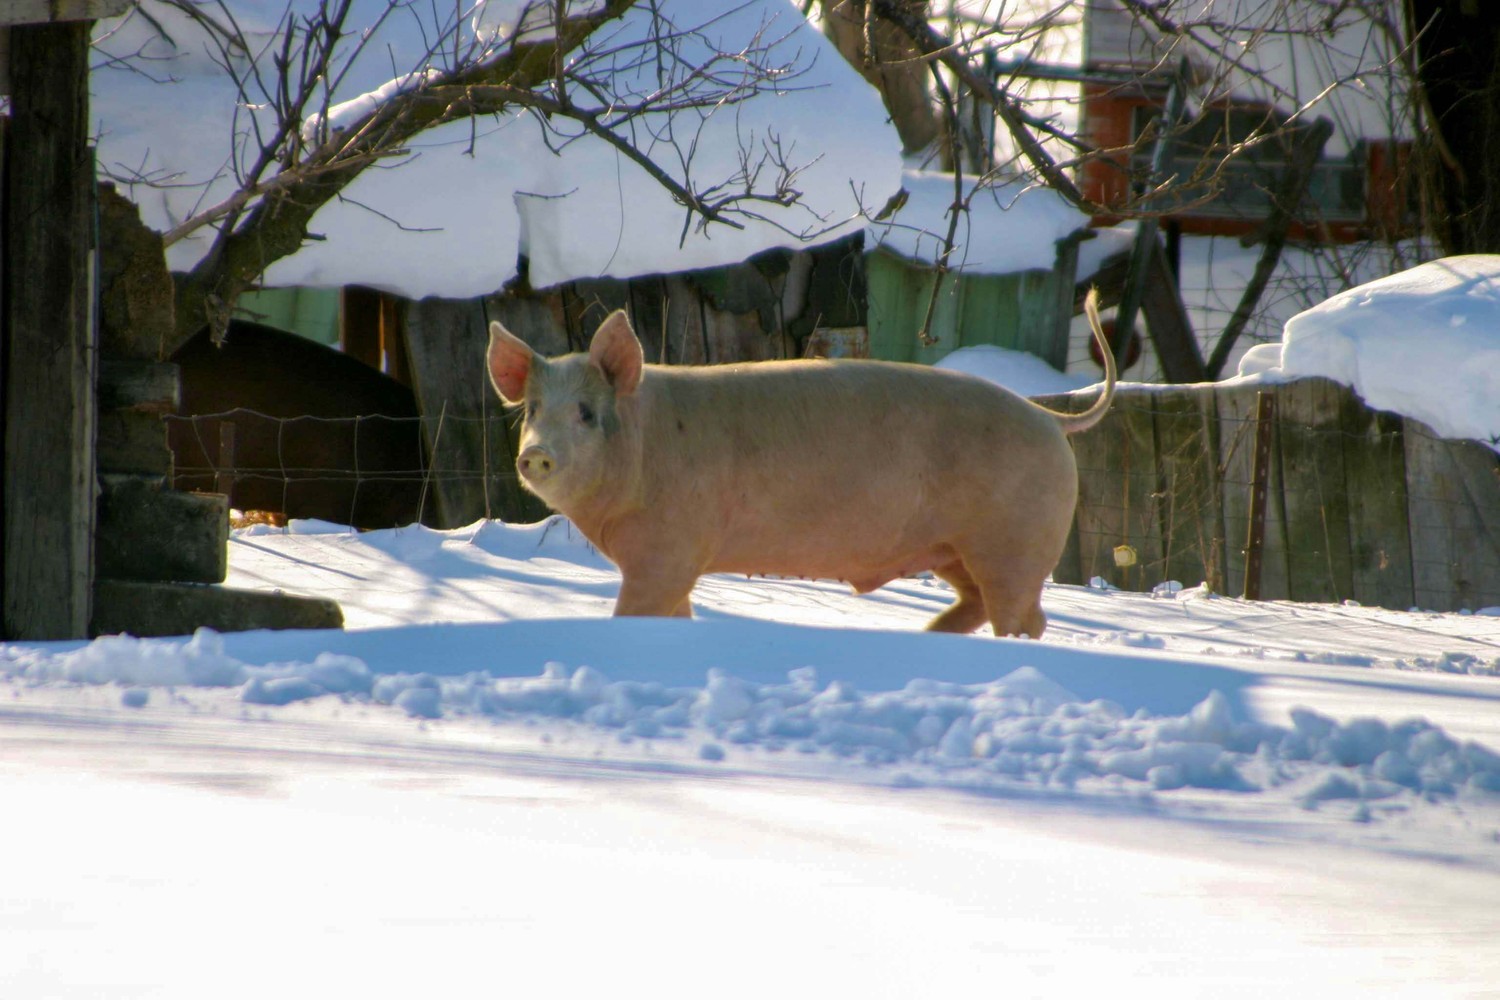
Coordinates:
485 784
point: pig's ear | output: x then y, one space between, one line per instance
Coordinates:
509 362
615 351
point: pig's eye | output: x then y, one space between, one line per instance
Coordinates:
532 406
586 414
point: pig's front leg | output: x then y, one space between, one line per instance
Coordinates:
656 593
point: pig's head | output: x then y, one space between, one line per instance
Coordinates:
578 442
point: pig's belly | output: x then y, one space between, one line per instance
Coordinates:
865 568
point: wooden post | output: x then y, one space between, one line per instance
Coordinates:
1284 206
224 474
1265 420
1145 231
48 337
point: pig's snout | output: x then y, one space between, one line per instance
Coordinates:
536 464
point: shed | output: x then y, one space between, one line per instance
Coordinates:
1009 280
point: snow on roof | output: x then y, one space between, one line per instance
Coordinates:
451 216
1010 226
1424 343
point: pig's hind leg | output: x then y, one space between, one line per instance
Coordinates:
1014 606
1011 589
968 612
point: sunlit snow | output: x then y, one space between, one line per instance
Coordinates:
485 776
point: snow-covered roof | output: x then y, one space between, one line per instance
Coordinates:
1012 226
451 216
1424 343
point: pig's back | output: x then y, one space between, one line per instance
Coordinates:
875 460
768 405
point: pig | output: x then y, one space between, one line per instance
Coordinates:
855 470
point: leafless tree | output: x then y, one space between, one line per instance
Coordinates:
569 64
1008 106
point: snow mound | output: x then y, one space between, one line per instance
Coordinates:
1424 343
1022 728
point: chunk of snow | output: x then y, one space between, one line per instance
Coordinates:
1424 343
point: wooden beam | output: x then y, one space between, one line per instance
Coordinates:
146 609
56 11
147 532
47 335
1168 323
1284 208
144 386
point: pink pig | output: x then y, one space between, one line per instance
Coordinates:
862 471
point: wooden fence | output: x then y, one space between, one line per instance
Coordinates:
1362 505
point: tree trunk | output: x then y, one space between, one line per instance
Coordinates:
1458 53
895 68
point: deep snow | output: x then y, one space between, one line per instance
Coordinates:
484 780
487 785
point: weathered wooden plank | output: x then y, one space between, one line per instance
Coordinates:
985 309
1168 323
1060 298
587 302
1236 407
1260 482
1190 507
1036 332
471 442
649 316
1454 502
1315 492
899 296
1117 494
45 11
359 326
687 343
147 532
947 331
837 294
134 384
537 319
156 609
131 441
1379 526
48 338
739 337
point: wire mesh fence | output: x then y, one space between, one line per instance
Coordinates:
1360 505
368 471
